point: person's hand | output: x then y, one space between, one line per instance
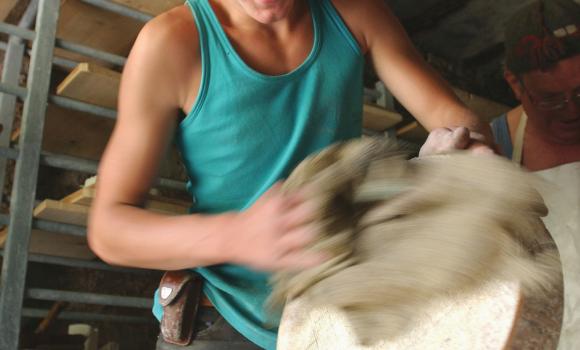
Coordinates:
273 233
444 140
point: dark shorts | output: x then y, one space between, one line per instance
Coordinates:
218 336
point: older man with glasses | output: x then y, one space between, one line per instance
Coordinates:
543 133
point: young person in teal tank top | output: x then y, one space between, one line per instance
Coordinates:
263 84
296 114
323 108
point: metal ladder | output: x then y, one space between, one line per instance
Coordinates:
29 156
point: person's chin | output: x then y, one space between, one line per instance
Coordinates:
270 18
566 131
271 11
268 3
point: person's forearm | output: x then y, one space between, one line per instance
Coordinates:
130 236
462 116
444 109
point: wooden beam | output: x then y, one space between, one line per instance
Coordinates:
66 213
84 196
379 119
75 133
91 26
6 7
152 7
55 244
91 83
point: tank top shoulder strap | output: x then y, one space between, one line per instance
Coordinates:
202 24
200 18
332 13
517 156
207 24
501 134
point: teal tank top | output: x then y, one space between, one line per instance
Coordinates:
247 130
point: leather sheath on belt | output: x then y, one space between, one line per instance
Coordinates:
179 294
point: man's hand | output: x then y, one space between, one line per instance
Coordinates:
444 140
273 233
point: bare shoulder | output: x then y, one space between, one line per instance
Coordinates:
166 58
172 34
364 17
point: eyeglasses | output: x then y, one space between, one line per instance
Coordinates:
553 103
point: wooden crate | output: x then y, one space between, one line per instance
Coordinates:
152 7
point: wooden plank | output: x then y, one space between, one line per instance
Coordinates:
66 213
55 244
152 7
413 132
84 196
5 7
91 83
379 119
91 26
75 133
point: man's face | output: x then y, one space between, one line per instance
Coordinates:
267 11
551 100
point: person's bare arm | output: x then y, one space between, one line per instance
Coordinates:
156 82
411 80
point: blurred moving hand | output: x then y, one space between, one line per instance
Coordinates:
273 234
445 140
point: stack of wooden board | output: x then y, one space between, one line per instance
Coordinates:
78 134
6 7
75 133
85 135
74 210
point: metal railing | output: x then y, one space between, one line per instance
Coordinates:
29 157
14 267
